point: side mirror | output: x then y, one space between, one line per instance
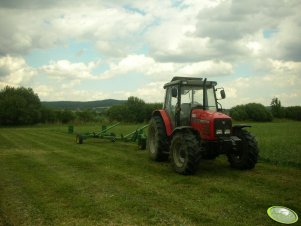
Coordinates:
223 94
174 92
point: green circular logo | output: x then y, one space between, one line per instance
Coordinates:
282 214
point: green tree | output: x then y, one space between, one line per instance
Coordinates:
136 109
19 106
276 108
293 112
118 113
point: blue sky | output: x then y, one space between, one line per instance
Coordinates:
93 50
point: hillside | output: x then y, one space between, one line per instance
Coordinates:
74 105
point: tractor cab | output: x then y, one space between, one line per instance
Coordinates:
184 94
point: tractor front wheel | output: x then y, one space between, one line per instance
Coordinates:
185 152
245 155
157 140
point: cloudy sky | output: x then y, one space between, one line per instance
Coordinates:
99 49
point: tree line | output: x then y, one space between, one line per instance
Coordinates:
134 110
260 113
21 106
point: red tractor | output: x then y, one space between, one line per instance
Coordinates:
191 127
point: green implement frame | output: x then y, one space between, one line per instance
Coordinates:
137 136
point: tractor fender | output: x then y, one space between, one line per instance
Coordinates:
166 120
239 127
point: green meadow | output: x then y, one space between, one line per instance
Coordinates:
48 179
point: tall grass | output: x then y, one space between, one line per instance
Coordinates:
279 142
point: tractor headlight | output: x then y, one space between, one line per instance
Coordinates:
218 132
227 131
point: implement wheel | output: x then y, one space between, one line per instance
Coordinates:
244 156
157 140
79 139
185 152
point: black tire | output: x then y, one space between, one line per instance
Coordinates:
142 144
244 156
185 153
79 139
157 140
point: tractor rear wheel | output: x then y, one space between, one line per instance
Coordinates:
245 155
185 153
157 139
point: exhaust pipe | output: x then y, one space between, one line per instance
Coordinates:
205 99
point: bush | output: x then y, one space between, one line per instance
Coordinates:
293 113
86 115
149 108
48 115
19 106
65 116
258 112
239 113
134 110
251 111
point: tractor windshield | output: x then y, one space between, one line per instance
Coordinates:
211 99
193 95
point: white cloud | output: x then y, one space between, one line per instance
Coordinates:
207 68
161 71
114 31
14 71
150 93
286 44
282 81
228 30
44 91
58 93
64 69
155 39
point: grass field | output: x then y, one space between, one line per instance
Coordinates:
47 179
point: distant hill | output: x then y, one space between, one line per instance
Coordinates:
80 105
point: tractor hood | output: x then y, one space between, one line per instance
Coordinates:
206 122
207 115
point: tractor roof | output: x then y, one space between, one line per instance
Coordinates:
190 81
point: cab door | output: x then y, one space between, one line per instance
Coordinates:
170 105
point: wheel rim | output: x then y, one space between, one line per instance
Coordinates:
152 141
179 155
